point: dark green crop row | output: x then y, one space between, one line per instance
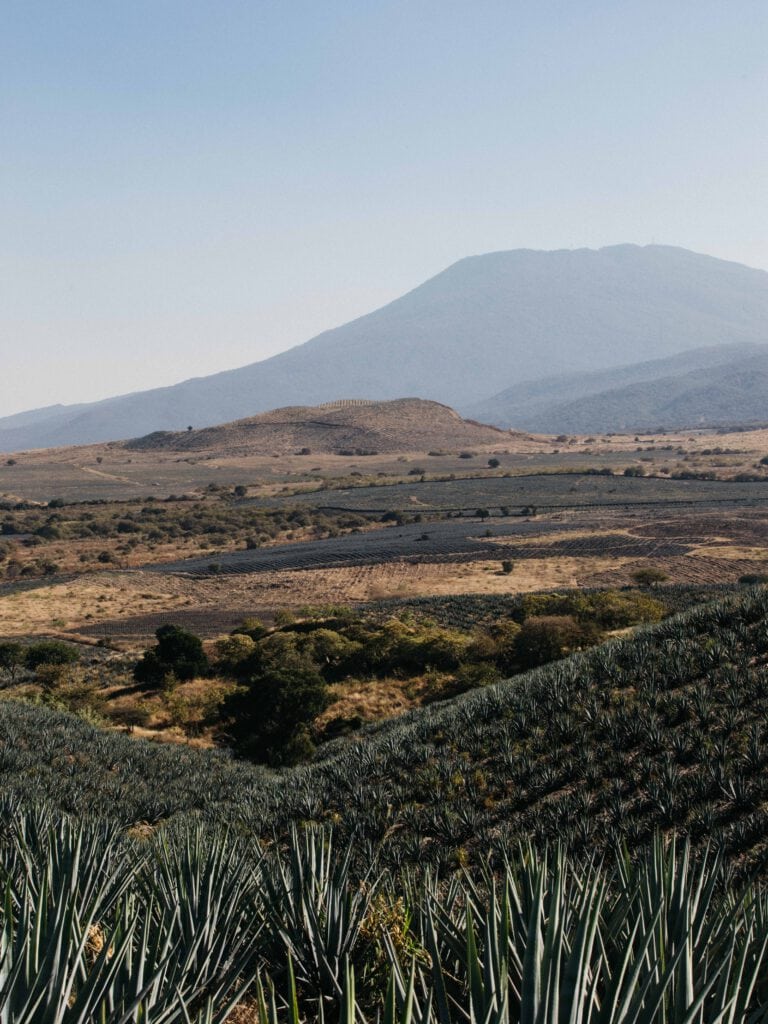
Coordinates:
666 729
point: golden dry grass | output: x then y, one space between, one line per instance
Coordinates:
729 551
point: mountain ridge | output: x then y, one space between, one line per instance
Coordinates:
505 316
696 388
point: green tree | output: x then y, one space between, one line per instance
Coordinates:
50 652
177 652
271 719
11 658
545 638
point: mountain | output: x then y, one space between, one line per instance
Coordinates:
726 385
351 427
500 317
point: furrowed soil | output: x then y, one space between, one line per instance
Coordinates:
447 557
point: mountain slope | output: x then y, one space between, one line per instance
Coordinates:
502 316
409 424
706 387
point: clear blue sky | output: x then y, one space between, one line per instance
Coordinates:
192 185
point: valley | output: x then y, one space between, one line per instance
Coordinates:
382 629
383 513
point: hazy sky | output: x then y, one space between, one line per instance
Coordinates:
192 185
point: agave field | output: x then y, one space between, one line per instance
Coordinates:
454 541
193 925
430 542
664 729
543 490
465 611
586 842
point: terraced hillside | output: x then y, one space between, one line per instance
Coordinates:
337 428
665 730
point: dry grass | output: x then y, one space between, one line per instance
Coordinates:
104 595
721 550
371 699
724 549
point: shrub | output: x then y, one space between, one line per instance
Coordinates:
50 652
270 719
647 577
545 638
232 651
11 658
252 628
177 653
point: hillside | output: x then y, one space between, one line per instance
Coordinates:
665 730
726 385
352 428
486 320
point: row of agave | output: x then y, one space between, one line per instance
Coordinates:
193 925
666 729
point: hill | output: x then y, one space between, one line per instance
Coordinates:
608 752
346 427
662 730
715 387
504 316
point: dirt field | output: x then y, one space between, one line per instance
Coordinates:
108 471
691 547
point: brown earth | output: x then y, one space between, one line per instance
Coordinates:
113 471
352 427
129 606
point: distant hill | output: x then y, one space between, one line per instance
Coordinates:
712 387
346 427
487 320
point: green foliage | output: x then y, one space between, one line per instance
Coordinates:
649 576
665 729
544 638
192 926
252 628
272 715
12 658
178 653
50 652
606 609
233 651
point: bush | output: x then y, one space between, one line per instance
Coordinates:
647 577
545 638
50 652
232 651
270 719
177 653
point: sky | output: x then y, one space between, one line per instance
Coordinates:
188 186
